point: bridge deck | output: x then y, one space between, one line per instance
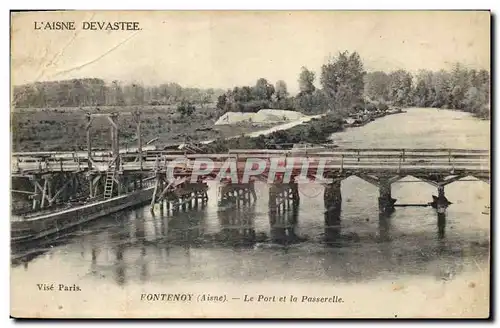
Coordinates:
368 160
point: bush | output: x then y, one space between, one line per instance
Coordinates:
185 108
254 106
383 107
370 107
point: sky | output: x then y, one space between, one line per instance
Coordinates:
226 49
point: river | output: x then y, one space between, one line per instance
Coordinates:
136 250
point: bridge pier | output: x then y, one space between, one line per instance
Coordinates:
179 194
191 195
440 203
333 206
237 194
385 200
283 197
333 198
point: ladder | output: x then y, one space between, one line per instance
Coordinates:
110 181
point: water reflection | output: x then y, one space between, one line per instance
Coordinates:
384 225
441 222
237 225
333 227
120 239
253 243
283 226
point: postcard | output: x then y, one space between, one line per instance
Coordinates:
250 164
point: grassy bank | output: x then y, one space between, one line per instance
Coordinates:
57 129
63 129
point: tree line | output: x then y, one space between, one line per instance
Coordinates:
342 88
345 86
459 88
96 92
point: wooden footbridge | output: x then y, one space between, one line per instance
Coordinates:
367 160
436 166
57 176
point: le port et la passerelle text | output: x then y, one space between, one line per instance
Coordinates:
259 298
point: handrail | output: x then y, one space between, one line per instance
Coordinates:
346 157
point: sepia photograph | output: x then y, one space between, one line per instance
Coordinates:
250 164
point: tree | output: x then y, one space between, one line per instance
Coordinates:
377 86
459 84
440 89
306 81
185 108
243 94
423 94
263 90
221 102
117 97
400 83
343 80
315 102
281 90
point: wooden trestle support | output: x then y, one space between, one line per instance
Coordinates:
179 194
236 195
54 188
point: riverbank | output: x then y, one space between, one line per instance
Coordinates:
311 130
316 130
48 129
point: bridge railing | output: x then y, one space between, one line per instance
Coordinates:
373 153
338 156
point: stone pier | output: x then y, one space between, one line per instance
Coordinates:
385 200
333 210
333 198
440 203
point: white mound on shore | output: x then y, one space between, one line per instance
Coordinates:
262 116
234 117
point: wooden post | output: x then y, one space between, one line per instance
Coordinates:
44 193
183 200
89 142
35 194
91 189
272 198
153 199
49 189
115 143
120 183
137 116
